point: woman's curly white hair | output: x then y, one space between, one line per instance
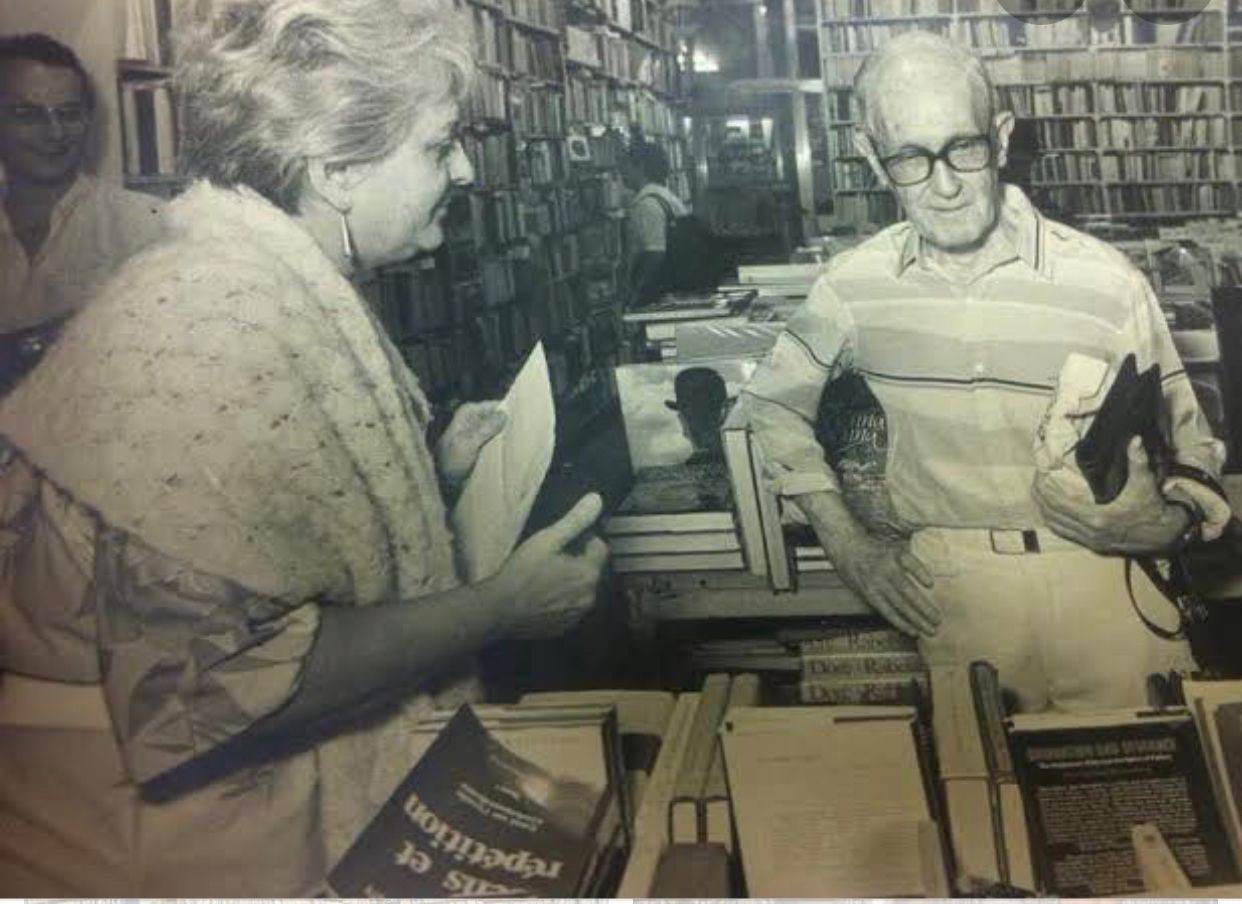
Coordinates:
268 84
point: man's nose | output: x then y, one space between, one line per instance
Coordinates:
944 179
53 127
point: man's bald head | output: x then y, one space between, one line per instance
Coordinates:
919 61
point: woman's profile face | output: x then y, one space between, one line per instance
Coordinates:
398 207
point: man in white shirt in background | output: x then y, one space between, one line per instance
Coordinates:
62 232
645 170
960 320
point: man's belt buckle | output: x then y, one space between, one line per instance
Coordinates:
1014 542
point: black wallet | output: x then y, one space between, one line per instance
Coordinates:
1131 408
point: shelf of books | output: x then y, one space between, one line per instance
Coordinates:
1136 119
533 249
146 99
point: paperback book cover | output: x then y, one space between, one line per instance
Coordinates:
1087 782
473 819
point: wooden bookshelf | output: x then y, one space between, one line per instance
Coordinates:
534 249
150 132
1135 120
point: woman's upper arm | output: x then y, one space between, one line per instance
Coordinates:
188 660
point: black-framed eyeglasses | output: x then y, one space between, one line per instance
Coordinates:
31 115
914 165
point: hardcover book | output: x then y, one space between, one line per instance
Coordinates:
673 414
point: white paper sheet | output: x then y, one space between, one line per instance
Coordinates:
826 808
501 490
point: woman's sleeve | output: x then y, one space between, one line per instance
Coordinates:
188 660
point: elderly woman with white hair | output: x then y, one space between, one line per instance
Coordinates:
227 589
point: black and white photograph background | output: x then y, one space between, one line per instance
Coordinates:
664 414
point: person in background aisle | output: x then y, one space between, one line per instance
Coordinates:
227 586
644 170
62 232
960 320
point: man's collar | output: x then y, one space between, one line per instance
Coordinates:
1020 226
82 186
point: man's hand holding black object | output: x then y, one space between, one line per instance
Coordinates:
1139 522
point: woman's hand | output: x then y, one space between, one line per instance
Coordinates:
549 582
473 426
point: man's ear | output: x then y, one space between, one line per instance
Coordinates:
333 182
866 148
1002 128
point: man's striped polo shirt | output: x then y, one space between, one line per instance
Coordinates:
964 370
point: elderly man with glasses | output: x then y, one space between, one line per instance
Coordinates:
960 320
62 233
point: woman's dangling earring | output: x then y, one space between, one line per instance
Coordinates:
347 242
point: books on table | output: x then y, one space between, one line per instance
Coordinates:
701 810
832 802
1217 710
1088 779
501 802
680 513
693 306
643 718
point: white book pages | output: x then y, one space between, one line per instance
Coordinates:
501 490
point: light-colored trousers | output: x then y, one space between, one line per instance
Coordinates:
1057 624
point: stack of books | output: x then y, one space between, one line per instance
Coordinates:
777 280
1060 803
863 667
659 321
672 541
683 510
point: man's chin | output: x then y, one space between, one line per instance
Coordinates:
952 236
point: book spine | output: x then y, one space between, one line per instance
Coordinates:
780 572
694 561
881 641
672 544
865 663
909 690
677 523
651 820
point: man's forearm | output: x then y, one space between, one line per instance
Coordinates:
835 525
793 457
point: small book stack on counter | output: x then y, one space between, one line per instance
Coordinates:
864 665
689 508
